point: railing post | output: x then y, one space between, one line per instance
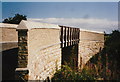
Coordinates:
61 37
68 37
65 37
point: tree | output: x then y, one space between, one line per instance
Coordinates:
16 19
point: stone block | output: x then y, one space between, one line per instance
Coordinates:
22 63
23 57
22 43
21 74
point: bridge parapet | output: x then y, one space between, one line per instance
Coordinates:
8 50
91 43
8 33
41 47
69 36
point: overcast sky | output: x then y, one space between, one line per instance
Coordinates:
99 16
59 0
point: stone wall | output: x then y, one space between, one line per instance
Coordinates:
90 44
8 36
8 50
8 45
22 71
40 53
9 33
23 49
44 50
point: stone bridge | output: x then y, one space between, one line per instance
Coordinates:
43 48
8 50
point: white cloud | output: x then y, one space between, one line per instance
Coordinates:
89 24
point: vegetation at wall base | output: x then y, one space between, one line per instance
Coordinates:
103 66
66 73
106 64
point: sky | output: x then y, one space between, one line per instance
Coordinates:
59 0
98 16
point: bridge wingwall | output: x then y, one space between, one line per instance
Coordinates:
8 50
90 44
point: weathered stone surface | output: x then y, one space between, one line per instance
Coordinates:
8 34
8 45
44 53
22 63
21 74
23 48
40 52
90 44
23 57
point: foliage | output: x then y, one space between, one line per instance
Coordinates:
103 66
106 63
15 20
66 73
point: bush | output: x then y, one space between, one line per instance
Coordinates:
106 63
103 66
66 73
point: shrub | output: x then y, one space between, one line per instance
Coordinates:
66 73
103 66
106 63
